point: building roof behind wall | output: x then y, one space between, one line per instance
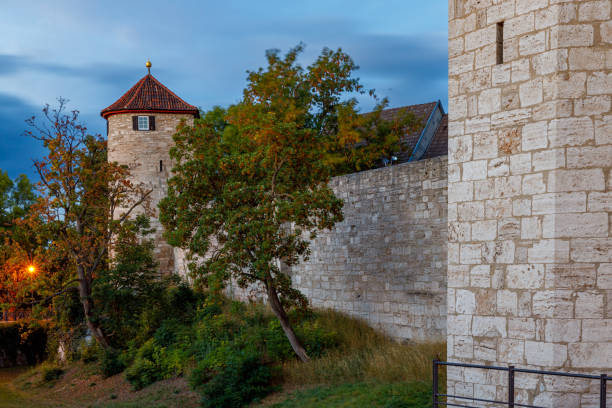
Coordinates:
439 144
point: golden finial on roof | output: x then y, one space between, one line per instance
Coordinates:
148 65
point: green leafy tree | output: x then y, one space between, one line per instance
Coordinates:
250 185
18 242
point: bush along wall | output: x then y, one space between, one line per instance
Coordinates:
21 345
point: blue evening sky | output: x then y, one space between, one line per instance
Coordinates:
91 52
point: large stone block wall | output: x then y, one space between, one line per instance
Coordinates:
386 262
142 152
530 201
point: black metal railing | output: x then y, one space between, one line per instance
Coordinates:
437 403
13 315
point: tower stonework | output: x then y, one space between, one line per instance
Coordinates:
144 147
530 201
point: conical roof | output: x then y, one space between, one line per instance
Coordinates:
149 95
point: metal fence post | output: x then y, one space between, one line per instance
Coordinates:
602 391
435 383
511 386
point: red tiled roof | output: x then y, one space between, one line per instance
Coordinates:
439 144
149 95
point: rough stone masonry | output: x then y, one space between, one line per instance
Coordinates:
530 201
386 262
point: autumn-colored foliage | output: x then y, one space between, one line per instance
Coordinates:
251 182
84 202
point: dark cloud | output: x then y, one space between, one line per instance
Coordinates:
16 150
107 74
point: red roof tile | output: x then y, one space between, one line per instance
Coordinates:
149 95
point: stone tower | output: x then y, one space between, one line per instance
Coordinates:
140 127
530 201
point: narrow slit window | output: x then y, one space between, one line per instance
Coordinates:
500 43
161 166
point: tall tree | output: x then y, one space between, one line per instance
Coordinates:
250 185
84 199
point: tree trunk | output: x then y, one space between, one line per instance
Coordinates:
278 310
87 302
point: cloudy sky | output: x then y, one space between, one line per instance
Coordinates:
90 52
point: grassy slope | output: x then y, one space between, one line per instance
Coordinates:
367 369
398 395
81 386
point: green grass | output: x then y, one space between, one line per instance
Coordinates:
376 395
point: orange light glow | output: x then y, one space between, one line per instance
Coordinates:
31 269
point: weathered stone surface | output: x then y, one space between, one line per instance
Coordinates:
147 154
386 262
550 260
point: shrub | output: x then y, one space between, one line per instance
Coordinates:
240 381
111 363
89 351
142 373
51 373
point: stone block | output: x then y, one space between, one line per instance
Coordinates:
558 203
599 83
459 149
597 330
521 328
571 35
570 276
507 303
487 326
545 354
521 207
594 10
485 145
471 254
549 251
562 330
507 186
458 192
603 130
535 136
533 43
519 25
529 276
533 184
489 101
475 170
484 230
593 105
590 355
586 59
548 159
575 225
550 62
554 15
590 305
576 180
591 250
512 351
570 131
531 228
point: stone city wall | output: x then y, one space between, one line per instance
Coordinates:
386 262
530 177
